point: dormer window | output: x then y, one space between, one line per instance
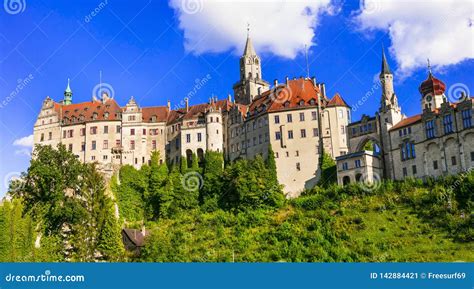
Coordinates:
301 102
106 115
94 116
287 104
153 118
312 101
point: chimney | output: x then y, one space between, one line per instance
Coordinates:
229 97
323 89
169 104
313 79
275 82
186 100
286 80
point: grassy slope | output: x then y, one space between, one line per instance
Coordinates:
359 229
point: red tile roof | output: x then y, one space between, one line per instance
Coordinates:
432 85
407 121
337 100
160 112
85 111
298 93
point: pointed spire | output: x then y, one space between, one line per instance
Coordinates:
429 67
385 67
249 50
68 94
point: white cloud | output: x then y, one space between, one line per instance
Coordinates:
26 141
23 152
278 27
441 30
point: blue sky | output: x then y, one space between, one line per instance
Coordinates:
153 50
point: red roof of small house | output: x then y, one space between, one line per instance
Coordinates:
337 100
432 85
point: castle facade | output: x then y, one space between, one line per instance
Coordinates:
295 118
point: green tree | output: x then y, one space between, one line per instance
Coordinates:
328 170
212 186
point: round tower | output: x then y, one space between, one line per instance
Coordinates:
214 129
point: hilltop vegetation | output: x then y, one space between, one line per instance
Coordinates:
216 212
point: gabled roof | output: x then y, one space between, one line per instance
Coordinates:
337 100
296 94
85 111
160 112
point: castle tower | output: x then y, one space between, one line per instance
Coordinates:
389 114
214 128
432 91
67 94
250 76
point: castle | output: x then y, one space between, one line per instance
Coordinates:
295 118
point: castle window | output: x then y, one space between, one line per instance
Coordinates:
118 129
448 123
94 145
413 168
83 146
118 143
277 135
277 119
301 103
290 134
217 119
430 129
408 151
50 135
466 118
289 118
297 153
70 147
314 115
341 114
301 116
435 165
357 164
153 118
409 129
254 125
354 131
345 166
472 156
287 154
93 158
94 116
106 115
188 138
312 102
105 145
303 133
315 132
131 118
199 137
254 141
132 131
453 161
298 167
343 129
400 133
105 157
106 129
276 155
132 144
405 172
64 134
260 139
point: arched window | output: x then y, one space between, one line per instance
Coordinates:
346 180
359 178
189 157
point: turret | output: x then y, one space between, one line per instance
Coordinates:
67 94
432 91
